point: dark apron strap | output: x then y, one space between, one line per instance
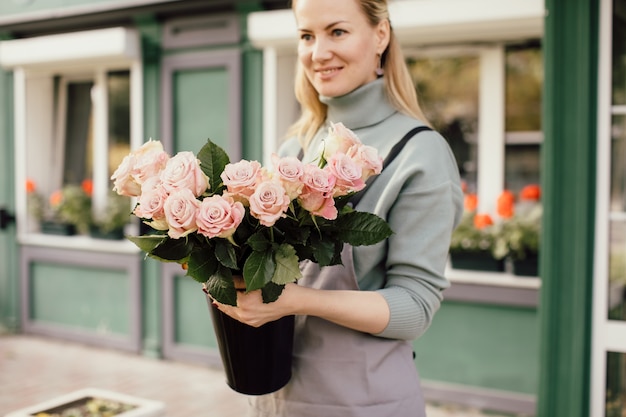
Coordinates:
354 200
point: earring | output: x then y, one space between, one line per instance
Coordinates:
379 69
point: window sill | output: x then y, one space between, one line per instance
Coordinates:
504 279
79 242
497 288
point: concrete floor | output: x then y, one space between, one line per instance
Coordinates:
36 369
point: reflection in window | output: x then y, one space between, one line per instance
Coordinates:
619 54
618 164
617 271
118 87
615 405
524 81
78 132
447 88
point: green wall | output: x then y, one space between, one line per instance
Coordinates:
481 345
9 295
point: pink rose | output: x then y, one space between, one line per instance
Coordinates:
150 204
219 217
317 194
183 172
136 167
241 177
150 160
180 212
269 202
368 158
347 172
123 181
289 171
339 140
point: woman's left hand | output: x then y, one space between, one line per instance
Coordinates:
251 309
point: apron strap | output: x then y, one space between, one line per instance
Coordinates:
356 197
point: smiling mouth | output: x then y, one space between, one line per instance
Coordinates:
328 71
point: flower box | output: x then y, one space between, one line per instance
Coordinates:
528 267
476 261
140 407
58 228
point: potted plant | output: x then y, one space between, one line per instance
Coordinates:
110 223
93 402
520 234
472 244
72 204
66 211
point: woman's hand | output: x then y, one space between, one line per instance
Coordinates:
251 309
365 311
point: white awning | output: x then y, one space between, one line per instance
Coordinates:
425 22
111 45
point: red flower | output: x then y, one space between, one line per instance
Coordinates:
471 202
530 192
56 198
482 220
87 186
30 186
506 204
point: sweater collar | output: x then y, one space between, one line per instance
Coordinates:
363 107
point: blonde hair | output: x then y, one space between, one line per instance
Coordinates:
399 86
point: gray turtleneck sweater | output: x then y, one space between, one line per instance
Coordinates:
419 195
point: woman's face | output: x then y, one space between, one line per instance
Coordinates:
338 48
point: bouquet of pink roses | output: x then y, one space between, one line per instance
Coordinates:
215 217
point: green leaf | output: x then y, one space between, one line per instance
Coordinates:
360 228
147 243
258 269
271 292
258 242
225 253
201 265
221 286
173 249
323 250
287 269
213 159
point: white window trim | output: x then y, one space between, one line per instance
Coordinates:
71 53
607 335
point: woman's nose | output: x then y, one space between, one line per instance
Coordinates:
321 50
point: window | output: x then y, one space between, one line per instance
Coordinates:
78 113
448 85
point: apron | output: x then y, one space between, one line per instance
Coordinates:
339 372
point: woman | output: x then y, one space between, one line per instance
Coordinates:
355 323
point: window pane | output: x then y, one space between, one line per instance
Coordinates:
617 270
618 164
448 92
619 54
78 133
522 163
118 86
524 81
615 385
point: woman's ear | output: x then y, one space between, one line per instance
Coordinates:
383 33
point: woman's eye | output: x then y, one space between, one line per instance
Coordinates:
338 32
305 37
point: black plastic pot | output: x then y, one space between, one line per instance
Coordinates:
257 360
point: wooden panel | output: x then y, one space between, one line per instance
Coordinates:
85 296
